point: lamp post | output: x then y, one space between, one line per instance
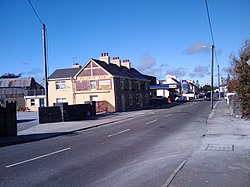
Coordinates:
212 76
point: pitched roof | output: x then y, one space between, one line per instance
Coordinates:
64 73
120 71
16 82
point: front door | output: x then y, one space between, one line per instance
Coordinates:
41 102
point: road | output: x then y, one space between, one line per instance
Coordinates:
141 151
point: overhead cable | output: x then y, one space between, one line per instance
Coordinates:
35 13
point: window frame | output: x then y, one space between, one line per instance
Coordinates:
93 86
60 85
32 102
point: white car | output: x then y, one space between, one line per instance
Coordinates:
180 99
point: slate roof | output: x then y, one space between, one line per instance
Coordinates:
16 82
120 71
64 73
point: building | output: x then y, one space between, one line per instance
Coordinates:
166 88
26 92
112 82
61 85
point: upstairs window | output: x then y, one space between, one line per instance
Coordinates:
93 84
130 84
60 85
122 84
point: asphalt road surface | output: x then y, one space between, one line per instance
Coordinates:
141 151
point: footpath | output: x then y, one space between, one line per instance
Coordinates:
223 159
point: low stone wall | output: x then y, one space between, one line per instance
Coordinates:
76 112
65 112
8 120
49 114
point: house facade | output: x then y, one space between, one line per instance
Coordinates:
25 91
61 85
114 82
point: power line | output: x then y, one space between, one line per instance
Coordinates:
35 13
209 21
211 30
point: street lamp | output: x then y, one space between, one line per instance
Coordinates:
212 75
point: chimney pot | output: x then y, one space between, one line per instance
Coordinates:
104 57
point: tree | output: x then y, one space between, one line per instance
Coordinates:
10 75
205 88
239 77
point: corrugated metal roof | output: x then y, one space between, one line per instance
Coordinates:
64 73
15 82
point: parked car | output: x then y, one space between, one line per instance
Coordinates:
207 96
180 98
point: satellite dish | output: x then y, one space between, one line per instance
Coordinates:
248 62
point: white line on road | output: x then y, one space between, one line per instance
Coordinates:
179 111
119 133
168 115
36 158
151 122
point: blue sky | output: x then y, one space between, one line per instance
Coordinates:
159 37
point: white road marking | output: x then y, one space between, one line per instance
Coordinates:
119 133
151 122
168 115
36 158
179 111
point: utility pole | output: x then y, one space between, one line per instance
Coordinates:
219 80
212 78
45 66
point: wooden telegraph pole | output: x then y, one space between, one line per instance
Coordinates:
45 66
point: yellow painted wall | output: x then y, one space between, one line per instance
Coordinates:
54 93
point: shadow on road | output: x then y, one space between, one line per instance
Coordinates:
13 140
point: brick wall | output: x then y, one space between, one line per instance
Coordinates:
65 112
8 121
49 114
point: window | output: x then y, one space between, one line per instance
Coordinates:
61 85
130 99
32 102
61 100
130 84
147 101
122 84
137 99
93 85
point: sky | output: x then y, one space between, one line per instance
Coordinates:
159 37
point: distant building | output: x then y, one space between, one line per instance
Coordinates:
26 92
113 84
166 88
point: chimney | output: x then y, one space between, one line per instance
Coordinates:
116 61
126 64
76 65
104 57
